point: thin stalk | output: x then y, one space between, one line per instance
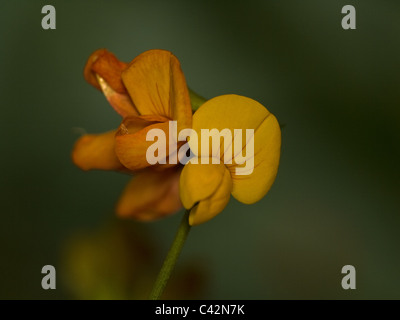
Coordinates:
172 257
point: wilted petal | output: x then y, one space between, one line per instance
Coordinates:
151 195
96 151
205 189
107 66
121 102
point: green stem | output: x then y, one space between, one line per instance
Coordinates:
196 100
172 257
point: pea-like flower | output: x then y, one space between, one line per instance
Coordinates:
158 128
148 93
206 186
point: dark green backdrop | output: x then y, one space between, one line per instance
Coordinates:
336 198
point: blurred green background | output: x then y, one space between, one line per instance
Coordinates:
336 198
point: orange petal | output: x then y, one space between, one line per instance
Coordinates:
156 84
151 195
121 102
105 64
131 145
88 73
96 151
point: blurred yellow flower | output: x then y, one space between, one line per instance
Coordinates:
117 260
205 189
148 93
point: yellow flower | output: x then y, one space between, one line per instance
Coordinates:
116 261
206 188
147 93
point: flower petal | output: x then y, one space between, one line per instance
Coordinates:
205 189
121 102
96 151
267 146
106 65
131 145
156 84
238 112
151 195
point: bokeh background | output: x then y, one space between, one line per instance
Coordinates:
336 198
